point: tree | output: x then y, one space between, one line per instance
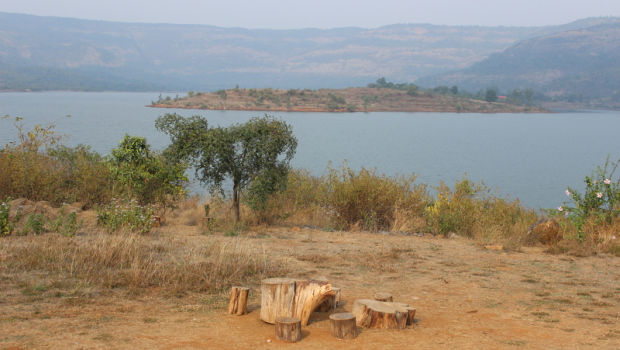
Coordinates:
491 95
253 155
144 175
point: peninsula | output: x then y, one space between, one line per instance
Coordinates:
354 99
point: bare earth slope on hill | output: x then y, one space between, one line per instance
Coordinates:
467 297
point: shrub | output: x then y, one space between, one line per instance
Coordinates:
454 211
600 203
6 226
146 176
125 215
368 200
66 224
35 223
471 211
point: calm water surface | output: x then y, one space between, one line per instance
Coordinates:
532 157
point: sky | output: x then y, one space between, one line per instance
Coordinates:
292 14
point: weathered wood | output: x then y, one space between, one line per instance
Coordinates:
308 296
238 304
378 314
285 297
384 297
277 296
331 302
410 315
343 325
288 329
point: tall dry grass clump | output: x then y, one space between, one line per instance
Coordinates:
369 201
136 262
468 209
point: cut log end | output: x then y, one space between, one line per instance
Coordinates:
238 304
343 325
377 314
383 297
288 329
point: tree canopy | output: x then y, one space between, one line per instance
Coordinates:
255 154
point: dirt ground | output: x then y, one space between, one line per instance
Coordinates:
467 297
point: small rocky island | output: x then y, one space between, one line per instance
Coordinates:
355 99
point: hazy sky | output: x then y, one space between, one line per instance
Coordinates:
280 14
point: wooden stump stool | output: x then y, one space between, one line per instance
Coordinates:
411 315
380 314
286 297
238 304
383 297
288 329
343 325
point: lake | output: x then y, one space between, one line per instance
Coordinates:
532 157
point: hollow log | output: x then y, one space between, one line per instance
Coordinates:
343 325
384 297
331 302
238 304
378 314
286 297
288 329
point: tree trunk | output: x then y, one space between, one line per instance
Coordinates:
286 297
288 329
238 304
236 201
377 314
343 325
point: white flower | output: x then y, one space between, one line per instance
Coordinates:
599 195
607 181
567 192
560 209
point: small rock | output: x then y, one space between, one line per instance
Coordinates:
268 340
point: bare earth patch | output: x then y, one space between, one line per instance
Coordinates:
467 297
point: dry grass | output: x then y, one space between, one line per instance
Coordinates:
137 262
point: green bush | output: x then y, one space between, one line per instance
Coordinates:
600 202
35 223
6 226
66 224
125 215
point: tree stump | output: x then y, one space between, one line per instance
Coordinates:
343 325
286 297
238 304
410 315
288 329
331 303
383 297
378 314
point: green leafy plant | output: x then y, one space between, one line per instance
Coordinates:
67 225
35 223
256 152
127 215
146 176
600 201
6 226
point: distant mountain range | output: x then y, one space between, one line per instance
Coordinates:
575 65
50 53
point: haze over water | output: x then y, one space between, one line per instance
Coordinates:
532 157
